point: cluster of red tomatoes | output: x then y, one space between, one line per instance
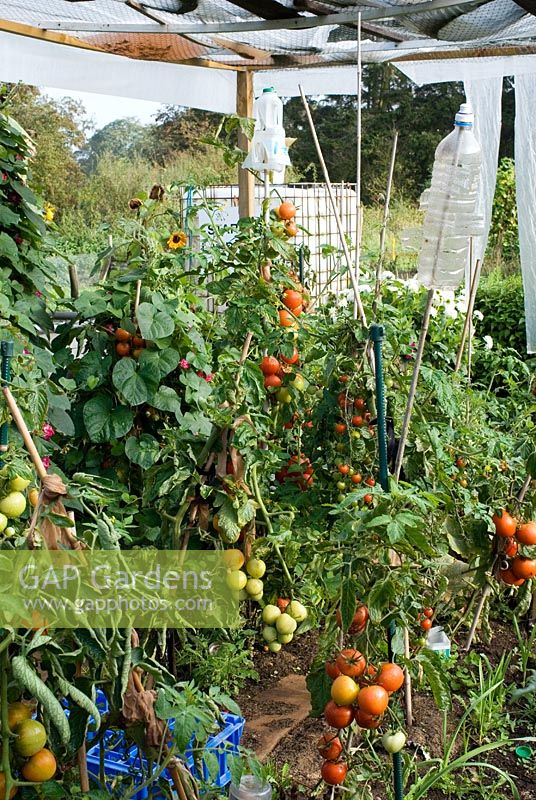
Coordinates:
273 370
519 568
299 470
287 213
359 693
127 344
425 619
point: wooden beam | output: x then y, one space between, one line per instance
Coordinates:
389 34
244 108
32 32
244 50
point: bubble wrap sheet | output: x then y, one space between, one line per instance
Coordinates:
525 157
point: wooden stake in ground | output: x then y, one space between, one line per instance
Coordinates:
468 318
383 232
414 381
336 214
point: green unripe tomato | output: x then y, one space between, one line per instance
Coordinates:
393 742
274 647
298 383
3 522
341 497
285 624
18 484
389 383
269 634
31 737
285 638
297 611
340 447
236 580
256 597
13 504
254 587
341 486
355 434
255 567
243 595
284 396
270 613
10 531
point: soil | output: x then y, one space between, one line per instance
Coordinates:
277 730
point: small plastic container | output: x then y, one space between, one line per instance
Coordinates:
438 641
250 788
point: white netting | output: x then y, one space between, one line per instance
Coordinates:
525 155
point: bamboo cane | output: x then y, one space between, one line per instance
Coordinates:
383 232
336 214
414 381
469 315
24 432
359 225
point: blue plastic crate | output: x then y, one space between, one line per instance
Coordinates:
120 761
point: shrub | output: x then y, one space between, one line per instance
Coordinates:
500 299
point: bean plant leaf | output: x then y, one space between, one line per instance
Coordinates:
162 361
105 422
154 324
166 399
8 248
143 451
134 384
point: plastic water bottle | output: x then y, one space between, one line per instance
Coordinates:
250 788
450 206
268 111
268 148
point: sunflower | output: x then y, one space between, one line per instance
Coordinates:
176 240
49 212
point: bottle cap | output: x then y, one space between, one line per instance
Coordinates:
268 89
465 117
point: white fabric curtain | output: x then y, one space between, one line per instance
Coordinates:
525 157
485 97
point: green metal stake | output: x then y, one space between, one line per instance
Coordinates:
376 333
6 352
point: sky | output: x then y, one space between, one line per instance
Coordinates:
102 109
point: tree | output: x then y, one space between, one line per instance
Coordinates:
58 129
178 131
122 138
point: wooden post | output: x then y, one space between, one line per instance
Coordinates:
244 108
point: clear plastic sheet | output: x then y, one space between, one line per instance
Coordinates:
485 98
525 156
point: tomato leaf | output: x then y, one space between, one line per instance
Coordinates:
531 465
434 670
319 685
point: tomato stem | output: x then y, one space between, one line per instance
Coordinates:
264 512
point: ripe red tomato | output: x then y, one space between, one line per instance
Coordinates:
122 335
426 624
357 421
334 772
329 746
523 567
428 612
270 365
272 382
368 499
511 548
505 525
282 603
367 721
287 210
344 469
122 349
508 577
286 320
373 700
526 533
292 299
344 378
340 427
332 669
391 677
370 481
359 403
359 620
338 716
351 662
291 228
356 477
293 359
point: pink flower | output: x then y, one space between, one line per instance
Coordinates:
26 351
183 364
209 377
46 462
4 176
48 431
39 294
109 328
